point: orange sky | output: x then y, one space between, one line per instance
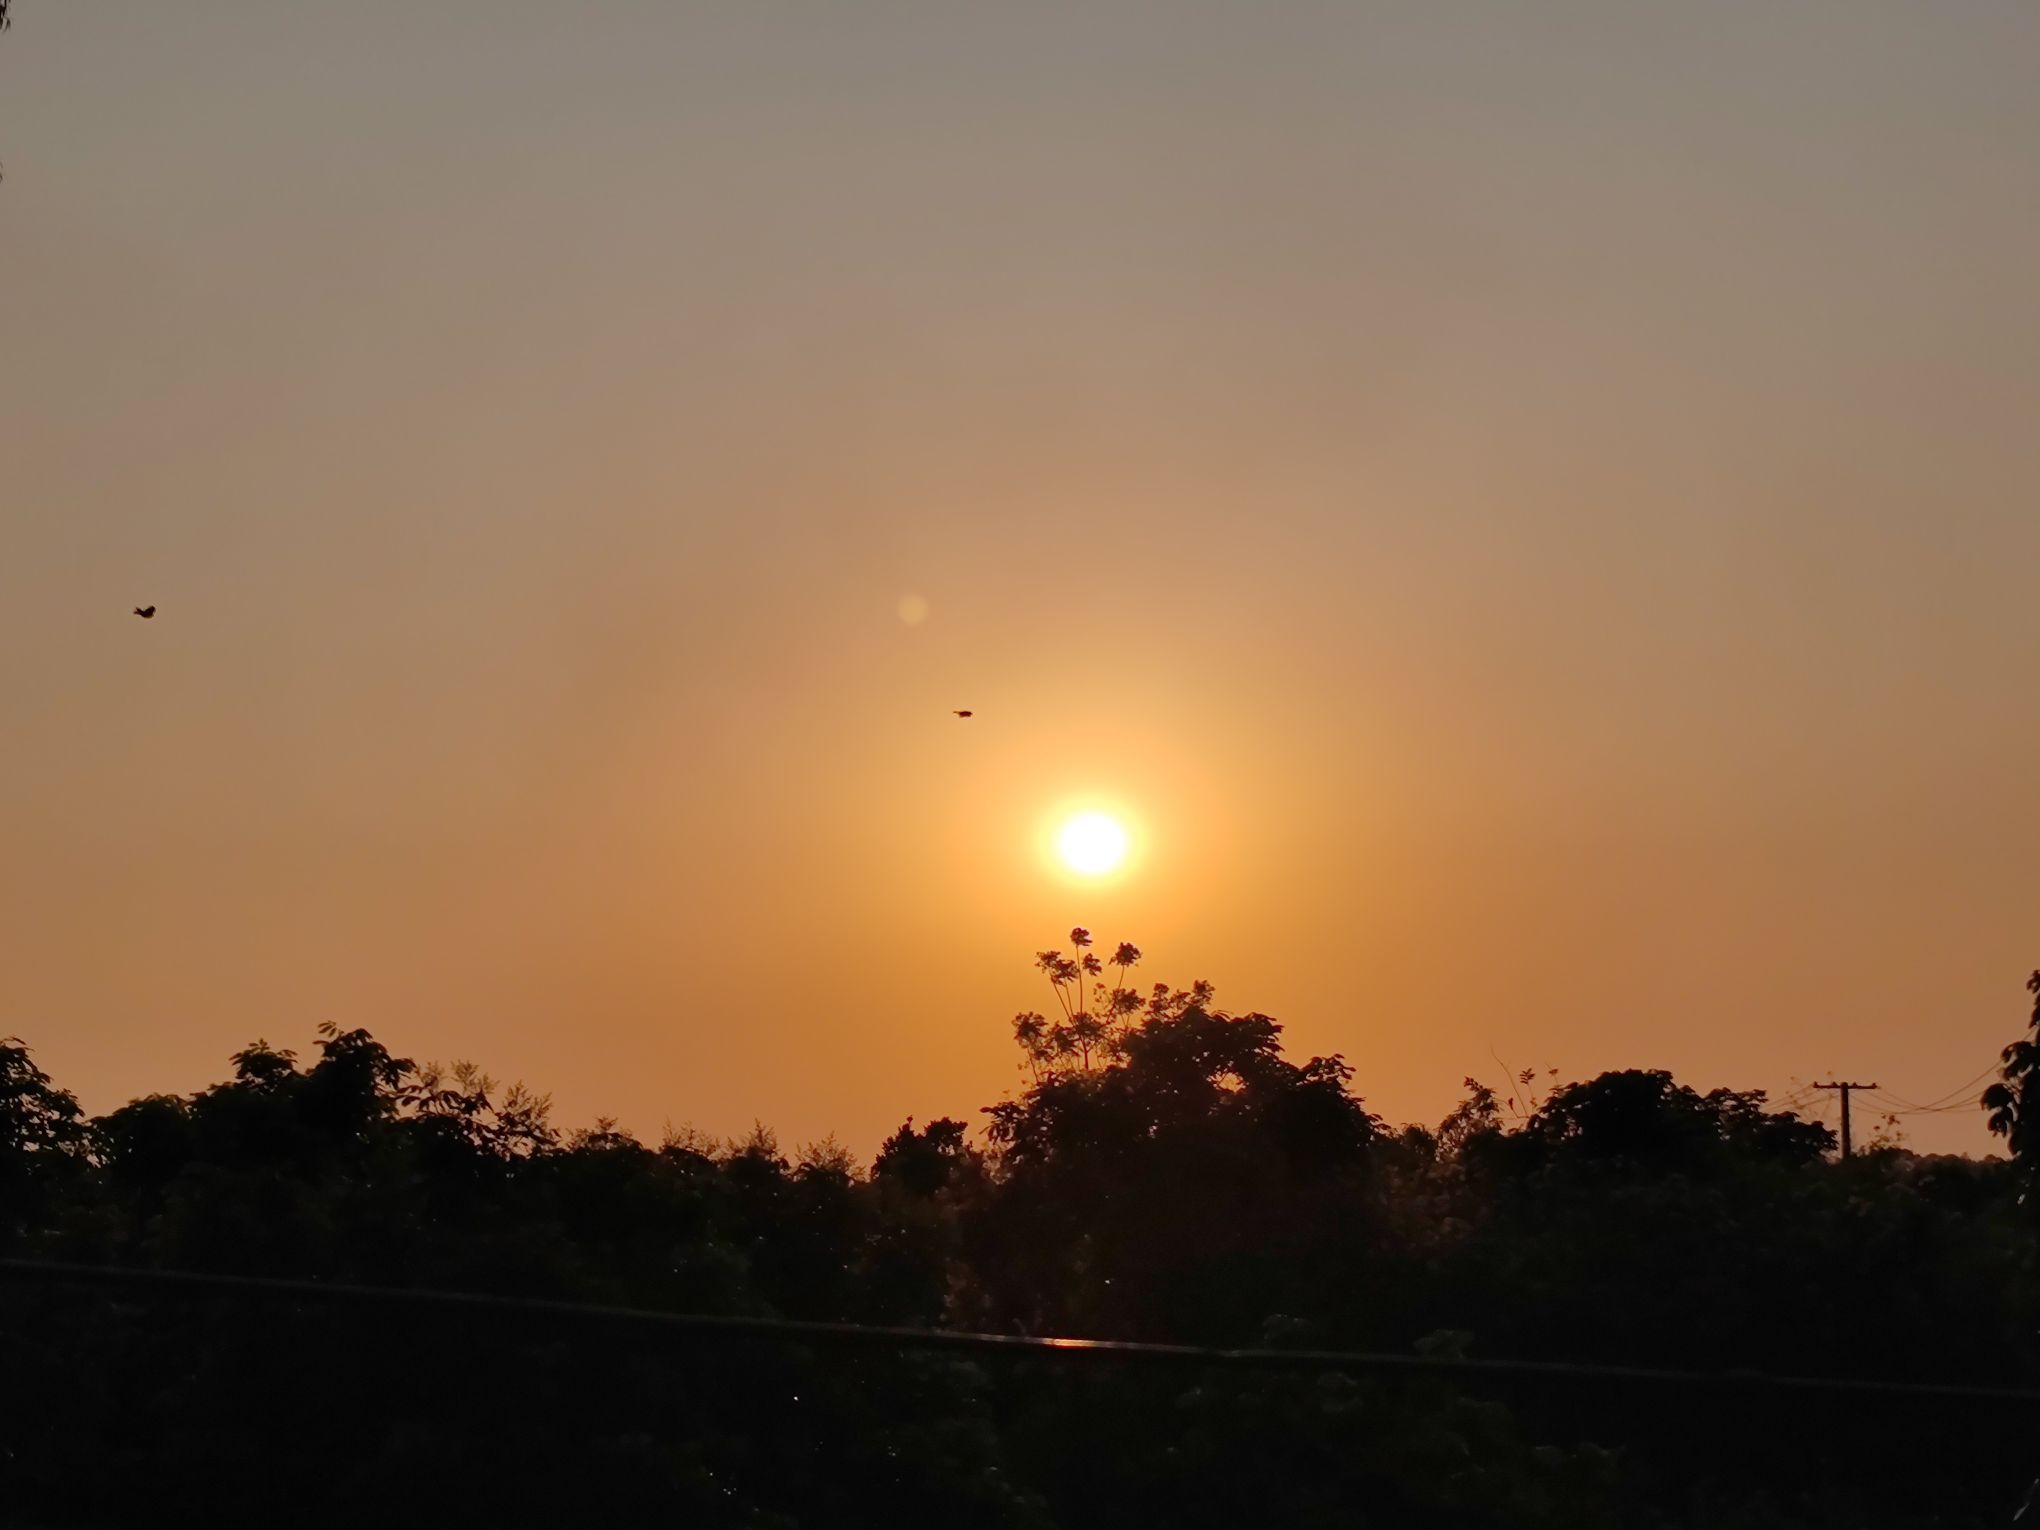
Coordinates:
1534 510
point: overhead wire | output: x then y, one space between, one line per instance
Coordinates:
1961 1098
1801 1097
529 1312
1949 1101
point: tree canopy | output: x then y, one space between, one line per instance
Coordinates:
1166 1172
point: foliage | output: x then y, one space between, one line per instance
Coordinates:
41 1138
1090 1032
1166 1172
2013 1102
1642 1116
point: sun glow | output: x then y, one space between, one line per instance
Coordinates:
1091 844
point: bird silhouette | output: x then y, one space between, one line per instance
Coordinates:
963 714
145 612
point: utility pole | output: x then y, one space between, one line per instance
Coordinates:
1848 1147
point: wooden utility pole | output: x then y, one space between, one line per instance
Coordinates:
1848 1147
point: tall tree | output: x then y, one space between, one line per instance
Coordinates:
42 1141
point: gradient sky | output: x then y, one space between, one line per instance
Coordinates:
1532 510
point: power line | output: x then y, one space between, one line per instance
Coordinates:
530 1311
1948 1101
1808 1098
1966 1107
1990 1070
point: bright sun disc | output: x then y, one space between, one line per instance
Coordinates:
1091 844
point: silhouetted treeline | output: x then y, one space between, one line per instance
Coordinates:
1167 1174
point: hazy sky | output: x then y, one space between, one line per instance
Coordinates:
1531 510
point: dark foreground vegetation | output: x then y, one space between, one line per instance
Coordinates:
1168 1174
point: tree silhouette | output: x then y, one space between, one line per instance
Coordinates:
42 1137
2013 1103
1171 1174
1644 1116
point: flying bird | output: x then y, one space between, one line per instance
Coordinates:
145 612
965 713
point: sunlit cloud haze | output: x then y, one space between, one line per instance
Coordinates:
1528 514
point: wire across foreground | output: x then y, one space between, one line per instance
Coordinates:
648 1322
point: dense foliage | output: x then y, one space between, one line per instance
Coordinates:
1167 1174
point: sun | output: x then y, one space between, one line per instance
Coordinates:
1091 844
